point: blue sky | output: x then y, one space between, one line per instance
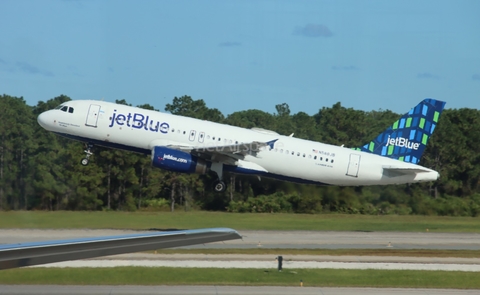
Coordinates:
239 55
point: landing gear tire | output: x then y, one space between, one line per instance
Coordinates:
219 186
88 153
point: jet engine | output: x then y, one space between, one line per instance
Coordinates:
177 161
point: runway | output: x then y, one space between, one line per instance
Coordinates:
269 239
284 239
220 290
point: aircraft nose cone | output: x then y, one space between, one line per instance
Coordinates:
42 120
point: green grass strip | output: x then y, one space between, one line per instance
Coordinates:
238 221
242 277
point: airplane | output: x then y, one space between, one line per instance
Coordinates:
187 145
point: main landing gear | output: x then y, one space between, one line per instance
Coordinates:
219 186
88 153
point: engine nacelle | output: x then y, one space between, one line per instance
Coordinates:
177 161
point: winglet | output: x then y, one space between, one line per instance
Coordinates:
407 138
271 143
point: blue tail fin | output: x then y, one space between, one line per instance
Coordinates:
407 138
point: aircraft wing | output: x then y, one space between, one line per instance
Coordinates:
26 254
212 152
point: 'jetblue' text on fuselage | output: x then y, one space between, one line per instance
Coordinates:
138 121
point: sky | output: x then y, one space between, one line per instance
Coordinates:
240 55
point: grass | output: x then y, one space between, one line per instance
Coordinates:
254 277
247 221
242 277
332 252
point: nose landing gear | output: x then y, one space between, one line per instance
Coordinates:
88 153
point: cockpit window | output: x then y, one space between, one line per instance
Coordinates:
65 108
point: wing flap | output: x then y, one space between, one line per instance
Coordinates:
26 254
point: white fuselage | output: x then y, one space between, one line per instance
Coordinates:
294 159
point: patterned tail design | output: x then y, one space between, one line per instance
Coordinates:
407 138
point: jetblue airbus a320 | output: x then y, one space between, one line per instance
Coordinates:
189 145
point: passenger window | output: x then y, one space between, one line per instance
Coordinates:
315 157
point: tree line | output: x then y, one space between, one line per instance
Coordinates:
40 170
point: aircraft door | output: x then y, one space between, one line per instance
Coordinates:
353 165
193 133
92 116
201 137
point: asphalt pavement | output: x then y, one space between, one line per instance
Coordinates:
220 290
284 239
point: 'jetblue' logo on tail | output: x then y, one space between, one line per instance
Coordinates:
407 138
402 142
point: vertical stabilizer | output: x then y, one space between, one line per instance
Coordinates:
407 138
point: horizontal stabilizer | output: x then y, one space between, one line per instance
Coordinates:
405 170
26 254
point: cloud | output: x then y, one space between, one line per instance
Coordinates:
313 30
344 68
4 66
476 77
427 75
230 44
30 69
